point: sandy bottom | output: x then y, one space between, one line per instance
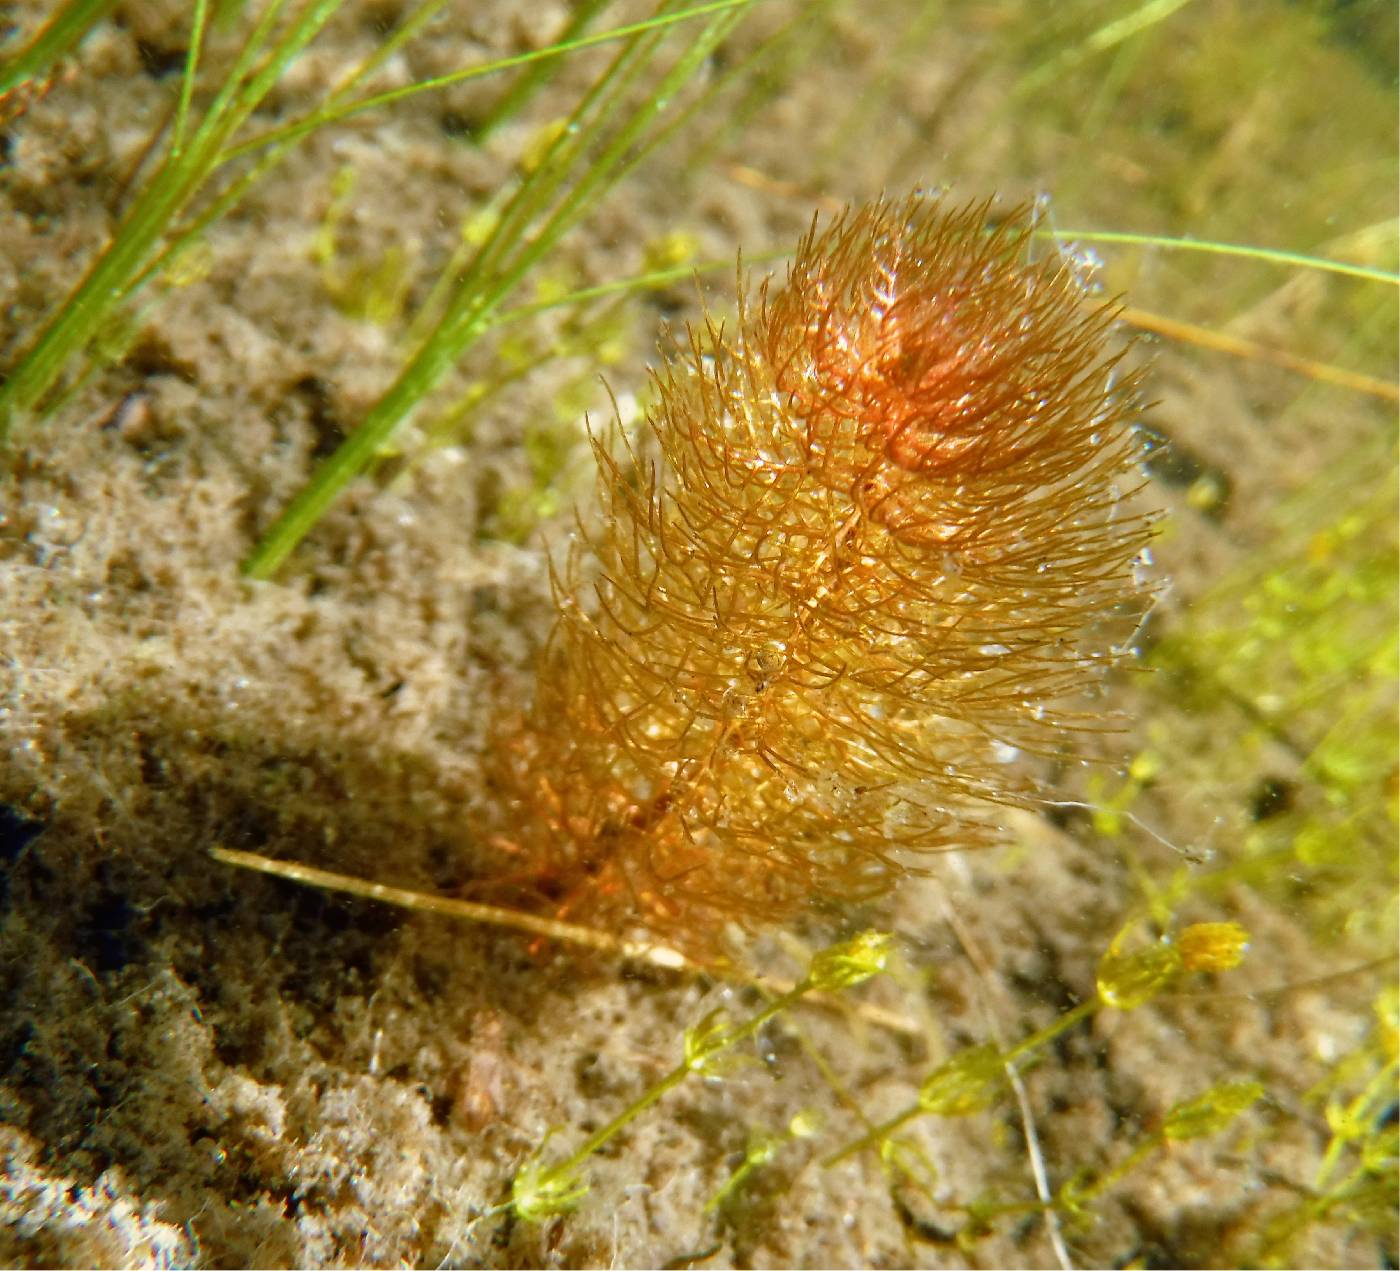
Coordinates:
199 1065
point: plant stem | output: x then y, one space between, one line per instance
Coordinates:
529 82
1037 1039
1052 1030
672 1079
872 1137
291 132
182 110
65 29
501 262
114 274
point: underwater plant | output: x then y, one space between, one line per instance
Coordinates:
854 564
204 1067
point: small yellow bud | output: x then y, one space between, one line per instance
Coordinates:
1211 1112
850 962
705 1043
1212 946
669 251
966 1083
1208 493
540 144
1387 1008
541 1191
1145 767
1127 980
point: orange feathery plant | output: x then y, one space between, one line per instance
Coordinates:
852 567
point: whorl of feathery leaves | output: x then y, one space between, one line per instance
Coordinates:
860 550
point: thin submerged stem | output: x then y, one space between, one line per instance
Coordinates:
112 278
503 260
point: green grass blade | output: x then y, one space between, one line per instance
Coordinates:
704 47
240 72
538 74
1291 260
62 34
233 195
187 80
182 239
609 166
299 129
1106 37
111 279
473 297
769 69
582 129
396 39
500 264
